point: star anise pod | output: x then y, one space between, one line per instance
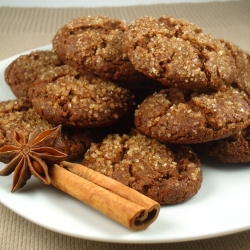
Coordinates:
32 156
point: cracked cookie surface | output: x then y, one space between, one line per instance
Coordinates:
18 114
63 96
167 174
95 43
26 69
178 116
177 53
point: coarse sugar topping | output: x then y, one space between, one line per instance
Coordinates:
66 97
193 117
154 169
177 53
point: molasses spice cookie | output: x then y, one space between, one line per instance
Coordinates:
95 43
166 174
63 96
242 81
27 68
233 149
178 116
19 115
177 53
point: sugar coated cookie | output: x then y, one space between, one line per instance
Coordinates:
178 116
27 68
177 53
19 115
95 43
233 149
62 96
167 174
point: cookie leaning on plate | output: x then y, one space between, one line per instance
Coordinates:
167 174
177 53
187 117
233 149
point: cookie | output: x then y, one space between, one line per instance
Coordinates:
242 81
166 174
78 140
177 53
26 68
240 56
63 96
19 115
96 43
188 117
233 149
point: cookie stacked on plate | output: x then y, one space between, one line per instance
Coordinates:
141 93
208 79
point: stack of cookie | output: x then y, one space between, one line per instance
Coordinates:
133 99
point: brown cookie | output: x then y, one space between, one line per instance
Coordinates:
240 57
187 117
19 115
95 43
233 149
167 174
26 68
177 53
78 140
242 81
63 96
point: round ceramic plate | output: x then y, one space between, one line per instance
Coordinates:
221 206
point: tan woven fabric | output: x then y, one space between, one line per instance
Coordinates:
23 29
34 27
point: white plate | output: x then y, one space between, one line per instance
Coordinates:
221 206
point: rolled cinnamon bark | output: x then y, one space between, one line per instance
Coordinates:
110 197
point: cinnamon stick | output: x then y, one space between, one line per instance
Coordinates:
110 197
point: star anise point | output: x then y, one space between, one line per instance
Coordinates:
32 156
